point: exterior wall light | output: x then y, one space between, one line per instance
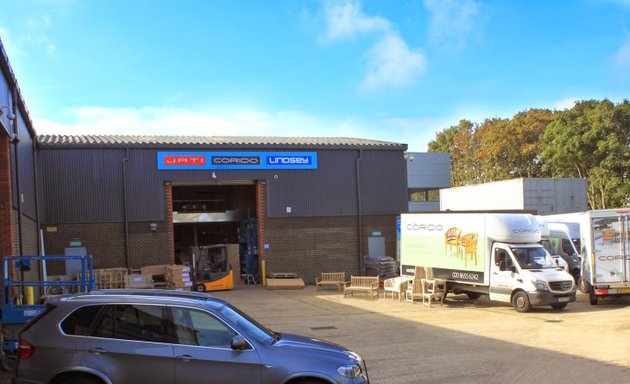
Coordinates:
153 227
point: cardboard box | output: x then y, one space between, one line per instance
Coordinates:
180 287
154 269
140 281
176 269
183 278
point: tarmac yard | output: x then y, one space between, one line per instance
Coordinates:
463 341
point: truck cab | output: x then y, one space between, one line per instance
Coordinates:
525 275
563 246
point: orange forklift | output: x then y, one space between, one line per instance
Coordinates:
210 268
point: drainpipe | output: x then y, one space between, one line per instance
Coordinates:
36 177
126 219
16 143
359 210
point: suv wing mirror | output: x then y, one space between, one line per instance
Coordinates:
239 343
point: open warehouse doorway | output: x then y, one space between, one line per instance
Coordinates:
213 221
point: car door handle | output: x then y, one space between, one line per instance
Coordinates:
97 351
185 358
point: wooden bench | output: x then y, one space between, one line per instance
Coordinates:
366 284
331 278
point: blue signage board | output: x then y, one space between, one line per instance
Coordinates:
236 160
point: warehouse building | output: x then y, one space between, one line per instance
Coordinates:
304 205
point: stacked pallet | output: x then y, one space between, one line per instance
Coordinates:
178 278
382 266
110 278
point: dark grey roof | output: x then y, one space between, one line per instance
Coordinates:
212 141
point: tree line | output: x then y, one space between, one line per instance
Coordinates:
590 141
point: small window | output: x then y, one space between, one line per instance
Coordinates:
82 321
499 256
432 195
195 327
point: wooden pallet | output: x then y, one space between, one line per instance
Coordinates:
284 281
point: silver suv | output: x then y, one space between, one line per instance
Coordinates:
159 337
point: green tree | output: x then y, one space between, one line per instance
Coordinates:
459 141
591 141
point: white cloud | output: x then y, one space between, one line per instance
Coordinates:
452 21
346 20
391 63
566 103
621 60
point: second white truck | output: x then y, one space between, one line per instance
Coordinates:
494 254
605 251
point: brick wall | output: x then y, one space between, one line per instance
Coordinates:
168 201
106 242
309 246
6 204
260 220
147 247
30 236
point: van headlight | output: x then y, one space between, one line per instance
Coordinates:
540 285
350 371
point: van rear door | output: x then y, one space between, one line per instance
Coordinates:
610 248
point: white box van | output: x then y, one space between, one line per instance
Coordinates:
494 254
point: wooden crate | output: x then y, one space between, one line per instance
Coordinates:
110 278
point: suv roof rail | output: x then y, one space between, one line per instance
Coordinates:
148 292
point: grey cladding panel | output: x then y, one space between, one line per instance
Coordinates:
429 170
327 191
383 183
85 185
82 185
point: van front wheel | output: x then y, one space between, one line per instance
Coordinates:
520 302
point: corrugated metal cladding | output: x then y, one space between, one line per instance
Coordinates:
82 185
384 183
85 185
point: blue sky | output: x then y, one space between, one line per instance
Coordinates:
394 70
